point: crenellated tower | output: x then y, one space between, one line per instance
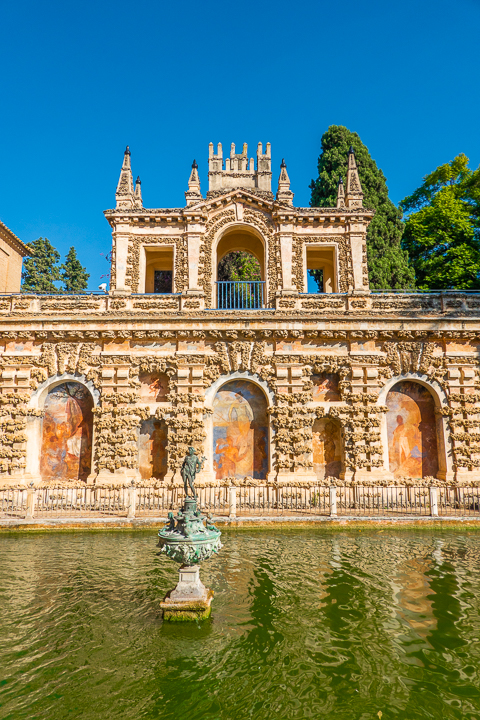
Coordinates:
239 170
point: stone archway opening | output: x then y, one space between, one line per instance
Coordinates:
240 270
240 431
67 433
412 431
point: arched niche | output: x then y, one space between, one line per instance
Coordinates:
240 237
328 450
60 444
67 433
152 449
414 433
240 431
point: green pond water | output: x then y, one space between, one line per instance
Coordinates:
305 624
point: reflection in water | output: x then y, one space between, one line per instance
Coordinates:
304 625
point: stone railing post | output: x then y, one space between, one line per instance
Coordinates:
232 502
433 502
132 501
333 500
30 501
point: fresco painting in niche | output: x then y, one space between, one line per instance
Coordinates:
411 428
240 431
325 387
67 433
327 449
153 387
152 449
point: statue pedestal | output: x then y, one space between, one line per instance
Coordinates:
190 600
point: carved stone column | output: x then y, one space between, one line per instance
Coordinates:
120 241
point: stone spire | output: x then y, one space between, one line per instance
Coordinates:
340 193
354 194
284 194
124 195
193 194
138 193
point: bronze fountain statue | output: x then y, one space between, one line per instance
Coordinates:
187 540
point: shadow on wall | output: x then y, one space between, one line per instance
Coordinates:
327 449
152 449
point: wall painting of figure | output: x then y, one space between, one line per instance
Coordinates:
327 449
411 428
153 387
152 449
240 431
66 452
325 387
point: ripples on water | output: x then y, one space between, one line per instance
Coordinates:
305 624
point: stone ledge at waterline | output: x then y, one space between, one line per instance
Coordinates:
326 523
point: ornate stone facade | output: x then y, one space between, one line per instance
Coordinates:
340 371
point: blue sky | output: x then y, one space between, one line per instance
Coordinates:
81 80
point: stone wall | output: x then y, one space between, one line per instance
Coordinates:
169 373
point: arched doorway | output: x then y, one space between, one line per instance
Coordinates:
66 450
240 431
327 449
411 431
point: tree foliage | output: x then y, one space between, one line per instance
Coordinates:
73 274
442 232
387 260
41 271
239 265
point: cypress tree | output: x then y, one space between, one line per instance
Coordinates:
41 271
73 274
387 261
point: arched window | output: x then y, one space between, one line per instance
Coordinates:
240 431
411 431
66 450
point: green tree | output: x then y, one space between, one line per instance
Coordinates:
387 261
239 265
41 271
73 274
442 231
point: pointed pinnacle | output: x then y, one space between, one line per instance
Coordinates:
138 181
194 165
340 181
284 164
127 150
351 149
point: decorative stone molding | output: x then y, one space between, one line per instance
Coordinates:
135 244
345 267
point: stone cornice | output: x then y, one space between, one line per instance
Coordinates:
202 209
14 241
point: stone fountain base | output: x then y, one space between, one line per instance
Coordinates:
190 600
